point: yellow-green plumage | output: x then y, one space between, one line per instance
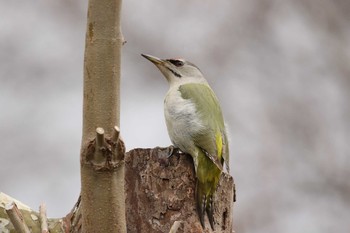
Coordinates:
196 126
212 137
211 145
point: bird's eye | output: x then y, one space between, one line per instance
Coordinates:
176 63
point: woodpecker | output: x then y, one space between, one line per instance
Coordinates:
196 126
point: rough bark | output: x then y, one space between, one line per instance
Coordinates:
160 194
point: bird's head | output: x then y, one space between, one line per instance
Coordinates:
177 71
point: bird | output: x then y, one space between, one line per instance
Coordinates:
196 126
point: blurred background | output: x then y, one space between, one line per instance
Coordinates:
280 69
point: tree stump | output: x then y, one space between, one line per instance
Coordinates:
160 194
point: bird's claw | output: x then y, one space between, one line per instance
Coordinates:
173 150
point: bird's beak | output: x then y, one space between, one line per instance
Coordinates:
154 60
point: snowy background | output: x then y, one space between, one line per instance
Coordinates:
280 68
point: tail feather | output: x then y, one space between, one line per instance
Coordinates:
208 175
204 204
210 211
200 203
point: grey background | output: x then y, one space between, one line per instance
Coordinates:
280 69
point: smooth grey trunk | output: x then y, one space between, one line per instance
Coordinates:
102 157
102 62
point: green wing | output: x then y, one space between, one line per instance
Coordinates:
212 139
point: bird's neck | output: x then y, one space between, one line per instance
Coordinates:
187 80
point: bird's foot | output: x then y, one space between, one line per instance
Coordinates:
174 151
165 155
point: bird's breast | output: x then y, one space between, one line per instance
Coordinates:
181 118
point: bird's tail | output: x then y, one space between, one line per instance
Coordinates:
208 176
204 203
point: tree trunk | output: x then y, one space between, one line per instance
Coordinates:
160 194
102 158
